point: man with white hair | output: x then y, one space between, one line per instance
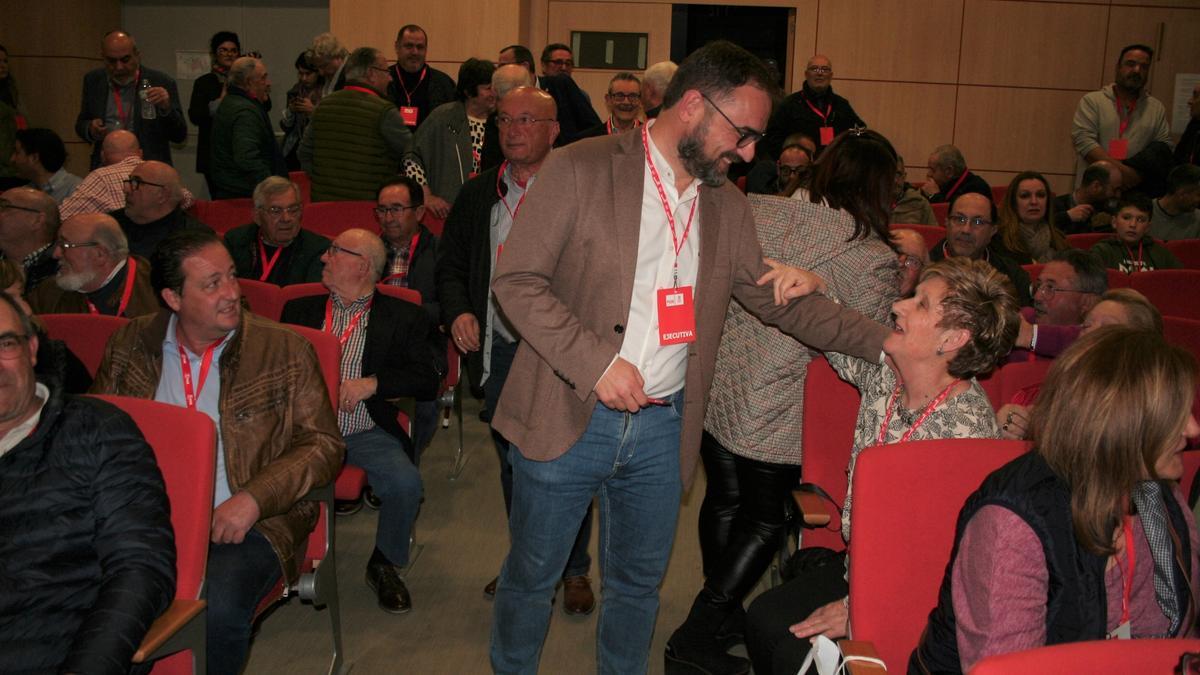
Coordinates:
329 57
96 274
243 146
654 85
153 207
275 248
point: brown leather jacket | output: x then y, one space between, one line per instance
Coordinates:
279 430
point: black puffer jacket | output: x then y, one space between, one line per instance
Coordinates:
87 553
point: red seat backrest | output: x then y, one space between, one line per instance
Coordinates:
1173 292
435 224
940 211
1187 250
1098 657
86 335
932 234
903 529
293 291
329 219
223 215
185 445
1087 239
999 192
262 298
830 412
329 354
1186 334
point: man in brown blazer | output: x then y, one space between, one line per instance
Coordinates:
598 276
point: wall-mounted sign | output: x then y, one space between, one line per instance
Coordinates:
609 51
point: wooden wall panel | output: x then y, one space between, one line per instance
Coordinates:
457 29
1016 129
1060 183
888 40
915 117
805 39
1037 55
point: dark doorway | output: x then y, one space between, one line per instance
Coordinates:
763 31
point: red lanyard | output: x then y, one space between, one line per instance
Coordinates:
823 115
676 243
400 79
412 253
1122 114
957 184
267 265
189 395
1137 264
887 418
1127 576
131 270
511 212
608 125
364 90
350 326
117 99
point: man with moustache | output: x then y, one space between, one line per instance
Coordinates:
617 274
1120 120
277 436
96 274
970 227
112 99
275 248
416 87
624 103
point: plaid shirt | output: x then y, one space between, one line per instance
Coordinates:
397 271
101 191
351 364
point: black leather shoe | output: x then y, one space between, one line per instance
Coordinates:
371 499
733 631
384 579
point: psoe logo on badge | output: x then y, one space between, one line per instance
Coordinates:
674 300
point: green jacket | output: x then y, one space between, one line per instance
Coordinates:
353 144
1147 255
243 150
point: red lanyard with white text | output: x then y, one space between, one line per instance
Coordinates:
400 79
676 242
1126 580
350 326
823 115
1135 265
117 99
891 407
131 269
267 265
1123 115
511 212
190 396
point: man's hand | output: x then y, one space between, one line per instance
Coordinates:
465 331
234 518
1024 333
159 98
1081 213
1130 178
929 188
301 104
621 387
352 392
790 282
96 130
440 207
1013 421
832 621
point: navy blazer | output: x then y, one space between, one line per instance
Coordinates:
397 353
155 135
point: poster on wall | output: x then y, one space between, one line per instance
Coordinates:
1185 84
191 64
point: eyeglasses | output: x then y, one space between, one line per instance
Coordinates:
819 69
562 63
276 211
393 210
382 70
227 50
785 170
334 249
960 219
6 205
523 121
619 97
135 183
11 345
1048 290
746 135
67 246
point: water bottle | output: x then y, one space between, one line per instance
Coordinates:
148 111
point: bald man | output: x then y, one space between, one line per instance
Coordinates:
113 99
387 354
96 274
101 190
506 78
153 198
814 111
28 223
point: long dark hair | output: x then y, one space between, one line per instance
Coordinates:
8 86
857 173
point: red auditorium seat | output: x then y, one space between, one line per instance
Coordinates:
940 211
435 224
830 411
999 192
86 335
262 298
223 215
330 219
1174 292
1087 240
1187 250
931 233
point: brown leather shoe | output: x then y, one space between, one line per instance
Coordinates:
577 595
490 589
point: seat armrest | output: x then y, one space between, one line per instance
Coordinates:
852 650
812 508
167 625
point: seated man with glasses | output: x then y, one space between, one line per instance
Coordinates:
96 273
28 222
970 229
386 355
153 207
624 102
275 248
1065 291
787 174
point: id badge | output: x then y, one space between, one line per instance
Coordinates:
826 135
1122 632
1118 148
408 113
676 316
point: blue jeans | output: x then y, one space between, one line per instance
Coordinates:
503 353
238 577
631 461
425 422
395 481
